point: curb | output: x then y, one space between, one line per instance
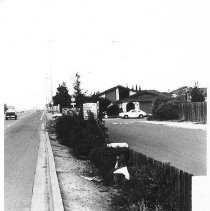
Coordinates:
57 200
46 192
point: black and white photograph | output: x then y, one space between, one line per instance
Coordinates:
105 105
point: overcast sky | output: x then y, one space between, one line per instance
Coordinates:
156 44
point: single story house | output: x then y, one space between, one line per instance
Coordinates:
143 100
117 93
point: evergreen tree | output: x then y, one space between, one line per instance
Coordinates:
197 95
78 94
62 97
5 108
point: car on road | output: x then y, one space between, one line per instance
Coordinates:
133 114
11 114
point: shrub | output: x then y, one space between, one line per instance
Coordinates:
167 111
151 184
67 127
104 158
82 135
113 110
165 108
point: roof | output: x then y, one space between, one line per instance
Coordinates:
181 90
187 90
113 88
143 96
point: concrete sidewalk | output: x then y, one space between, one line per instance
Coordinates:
200 193
188 125
184 124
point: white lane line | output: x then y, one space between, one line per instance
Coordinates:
38 195
42 115
9 125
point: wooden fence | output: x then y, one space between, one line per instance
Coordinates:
194 112
183 185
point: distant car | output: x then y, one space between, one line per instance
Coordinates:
10 114
56 115
133 114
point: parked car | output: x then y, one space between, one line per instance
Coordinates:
56 115
11 114
133 114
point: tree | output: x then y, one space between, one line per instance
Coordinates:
130 106
5 108
78 94
62 97
197 95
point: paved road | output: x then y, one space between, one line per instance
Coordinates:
10 122
183 148
21 143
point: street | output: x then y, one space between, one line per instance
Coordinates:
184 148
21 143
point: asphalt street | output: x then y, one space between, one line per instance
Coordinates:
21 143
184 148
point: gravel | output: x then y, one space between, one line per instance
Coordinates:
79 189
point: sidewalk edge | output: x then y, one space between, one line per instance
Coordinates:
57 199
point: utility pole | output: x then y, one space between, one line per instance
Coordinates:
50 41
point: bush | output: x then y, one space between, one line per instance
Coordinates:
104 158
113 110
82 135
151 184
167 111
165 108
67 127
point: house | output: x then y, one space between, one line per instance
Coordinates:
117 93
183 94
143 100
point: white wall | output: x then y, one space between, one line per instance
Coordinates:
124 107
137 105
102 96
132 93
117 94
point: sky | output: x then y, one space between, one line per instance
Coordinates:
156 44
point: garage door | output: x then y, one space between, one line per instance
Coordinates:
146 107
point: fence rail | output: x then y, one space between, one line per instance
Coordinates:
194 112
183 185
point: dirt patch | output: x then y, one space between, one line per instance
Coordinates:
81 188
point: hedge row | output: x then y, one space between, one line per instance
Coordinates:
146 183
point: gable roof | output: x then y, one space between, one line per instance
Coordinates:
143 95
113 88
187 90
